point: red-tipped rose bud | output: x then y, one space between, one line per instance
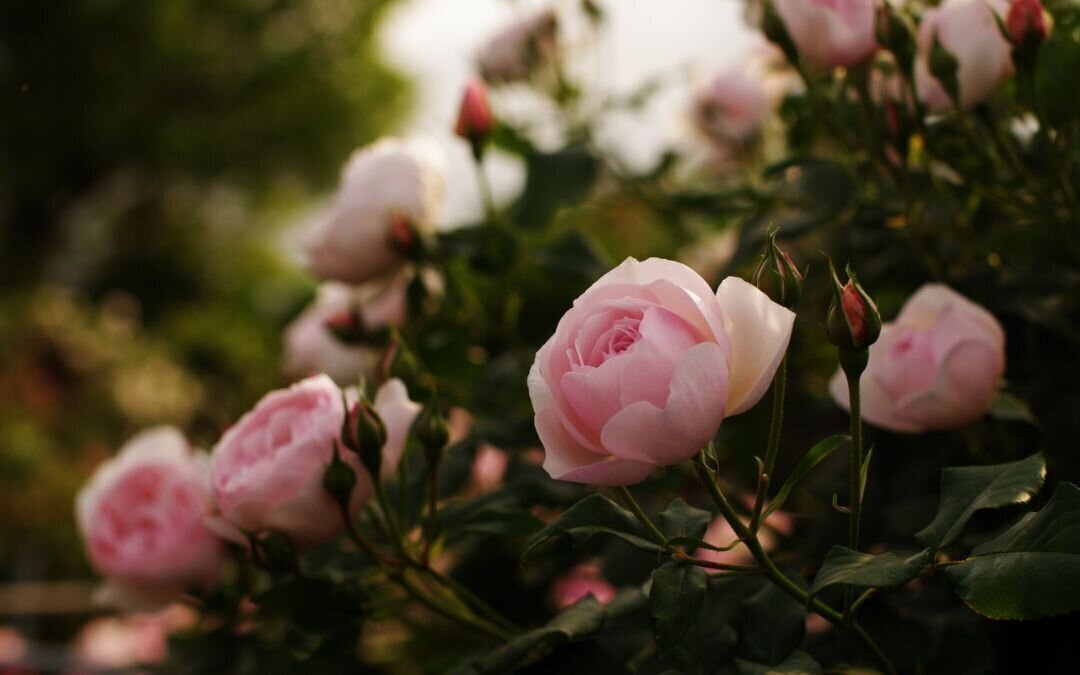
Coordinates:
346 326
853 322
776 275
365 434
1026 23
475 121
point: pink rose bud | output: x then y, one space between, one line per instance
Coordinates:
519 49
1026 22
645 366
830 33
937 366
313 345
580 582
359 239
731 109
475 120
777 275
142 516
853 322
268 469
968 32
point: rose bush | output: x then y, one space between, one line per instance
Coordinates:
646 365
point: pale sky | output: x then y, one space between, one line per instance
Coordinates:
434 42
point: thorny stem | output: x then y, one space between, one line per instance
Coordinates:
779 578
773 446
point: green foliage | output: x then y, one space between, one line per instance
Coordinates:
676 599
772 626
812 458
863 570
965 490
1030 571
593 515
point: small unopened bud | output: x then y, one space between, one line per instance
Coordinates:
365 434
853 322
432 431
1027 23
339 479
944 67
776 275
475 121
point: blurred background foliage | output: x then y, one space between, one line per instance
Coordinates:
150 155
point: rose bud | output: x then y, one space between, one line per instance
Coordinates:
268 469
519 49
579 582
381 184
731 109
475 120
142 516
853 322
1027 23
828 33
776 275
937 366
968 32
645 366
313 341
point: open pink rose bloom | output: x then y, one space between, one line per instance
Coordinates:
646 365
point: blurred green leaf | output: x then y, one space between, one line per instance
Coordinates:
553 180
811 459
680 520
675 602
965 490
1030 571
593 515
799 663
1009 408
773 625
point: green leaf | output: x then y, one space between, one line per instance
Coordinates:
680 521
773 625
851 568
1008 408
799 663
1030 571
965 490
812 458
578 621
493 514
553 180
675 602
594 515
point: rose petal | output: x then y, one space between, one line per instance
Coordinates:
759 331
398 412
877 407
565 459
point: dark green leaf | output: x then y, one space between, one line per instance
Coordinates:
965 490
552 181
1030 571
680 520
675 602
773 625
593 515
812 458
799 663
851 568
1011 409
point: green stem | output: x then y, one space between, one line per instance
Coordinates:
773 446
640 514
726 567
486 194
856 489
432 505
451 613
391 518
476 602
779 578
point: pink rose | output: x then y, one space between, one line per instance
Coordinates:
517 50
383 186
968 30
646 365
489 467
310 346
830 33
937 366
267 469
581 581
732 107
142 519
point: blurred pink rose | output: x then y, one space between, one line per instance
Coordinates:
383 185
268 468
310 346
581 581
130 640
142 516
968 30
721 534
474 120
489 467
830 33
518 49
936 366
646 365
731 108
13 646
